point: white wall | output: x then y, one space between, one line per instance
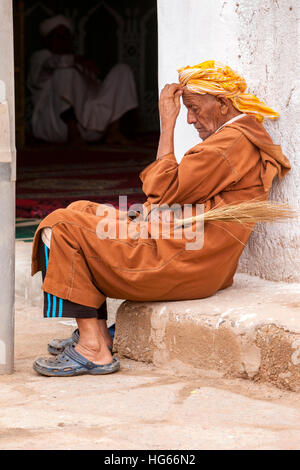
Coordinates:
7 188
261 40
7 65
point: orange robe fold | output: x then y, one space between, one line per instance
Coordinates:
236 164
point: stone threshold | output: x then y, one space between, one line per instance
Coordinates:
250 330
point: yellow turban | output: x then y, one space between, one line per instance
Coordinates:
217 79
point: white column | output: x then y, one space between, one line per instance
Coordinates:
7 188
261 40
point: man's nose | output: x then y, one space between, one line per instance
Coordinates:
191 119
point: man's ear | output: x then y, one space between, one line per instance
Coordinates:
223 102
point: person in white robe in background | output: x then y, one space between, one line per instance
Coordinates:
69 100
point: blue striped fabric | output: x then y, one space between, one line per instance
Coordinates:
46 256
49 305
54 306
54 298
60 311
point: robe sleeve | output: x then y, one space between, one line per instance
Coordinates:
199 176
36 62
56 61
42 64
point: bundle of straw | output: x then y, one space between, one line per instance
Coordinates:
246 213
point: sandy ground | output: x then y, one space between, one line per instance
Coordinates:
140 407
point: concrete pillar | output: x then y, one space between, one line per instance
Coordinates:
7 188
261 40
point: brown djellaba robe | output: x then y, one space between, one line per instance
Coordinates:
237 163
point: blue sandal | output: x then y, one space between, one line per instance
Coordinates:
57 346
70 363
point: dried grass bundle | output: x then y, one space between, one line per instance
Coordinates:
246 213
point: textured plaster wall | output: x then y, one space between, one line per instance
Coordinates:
7 63
7 187
261 40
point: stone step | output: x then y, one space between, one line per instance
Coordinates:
250 330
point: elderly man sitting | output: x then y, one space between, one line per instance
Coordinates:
235 162
70 102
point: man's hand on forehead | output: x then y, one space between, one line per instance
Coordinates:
169 104
172 88
169 107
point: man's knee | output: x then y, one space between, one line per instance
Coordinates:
46 236
54 217
120 69
78 205
61 215
83 206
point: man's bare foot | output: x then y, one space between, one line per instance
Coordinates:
91 344
105 333
93 353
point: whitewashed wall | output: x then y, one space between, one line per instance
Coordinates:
261 40
7 66
7 188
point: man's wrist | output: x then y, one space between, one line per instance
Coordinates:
167 130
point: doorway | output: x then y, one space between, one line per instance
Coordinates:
49 175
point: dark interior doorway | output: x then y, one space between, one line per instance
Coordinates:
108 32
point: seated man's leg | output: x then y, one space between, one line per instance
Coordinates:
67 98
66 90
122 96
92 345
119 91
88 207
102 322
102 111
84 206
56 346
